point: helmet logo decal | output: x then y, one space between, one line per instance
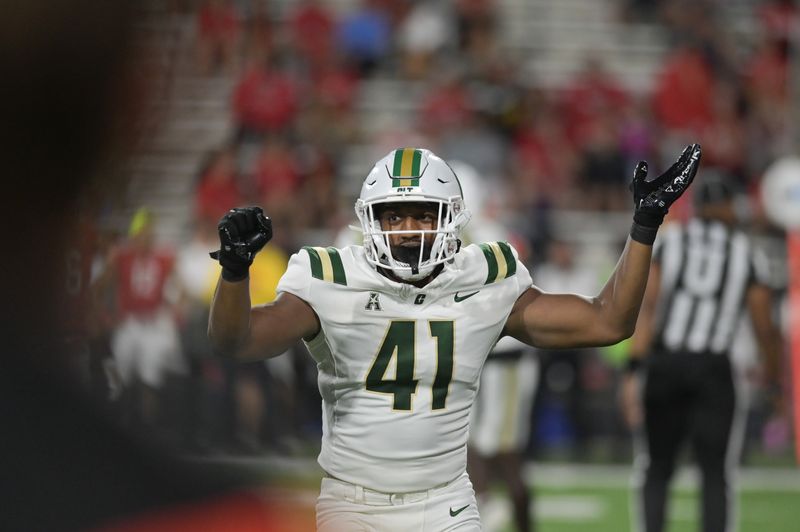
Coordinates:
406 167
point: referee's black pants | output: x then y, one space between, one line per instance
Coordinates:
689 396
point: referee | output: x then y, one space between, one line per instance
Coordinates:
705 273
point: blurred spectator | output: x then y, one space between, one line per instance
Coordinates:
331 93
724 141
275 175
766 74
602 171
335 87
477 144
264 100
684 92
145 341
638 132
219 36
426 31
496 94
319 192
365 36
312 32
445 106
261 33
778 19
476 26
544 160
218 189
592 96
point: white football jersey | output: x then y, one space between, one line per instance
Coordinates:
399 366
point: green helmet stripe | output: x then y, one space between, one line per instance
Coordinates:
416 159
407 162
398 162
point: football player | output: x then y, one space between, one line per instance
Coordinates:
400 328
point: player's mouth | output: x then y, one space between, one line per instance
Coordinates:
408 252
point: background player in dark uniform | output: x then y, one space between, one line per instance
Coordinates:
704 274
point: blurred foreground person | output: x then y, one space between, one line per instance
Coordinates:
71 103
705 273
400 328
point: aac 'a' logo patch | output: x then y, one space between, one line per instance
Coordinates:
374 302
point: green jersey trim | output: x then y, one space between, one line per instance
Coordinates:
500 261
326 264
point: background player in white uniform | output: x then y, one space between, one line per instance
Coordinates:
400 328
500 424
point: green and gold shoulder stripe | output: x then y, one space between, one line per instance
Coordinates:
326 264
500 260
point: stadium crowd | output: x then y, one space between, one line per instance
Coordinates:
544 150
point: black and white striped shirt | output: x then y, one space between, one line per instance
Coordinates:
706 269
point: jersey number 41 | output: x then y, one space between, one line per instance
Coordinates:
399 342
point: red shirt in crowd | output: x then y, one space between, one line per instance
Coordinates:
767 74
141 277
312 32
265 100
218 190
276 173
446 106
217 20
588 99
336 88
683 98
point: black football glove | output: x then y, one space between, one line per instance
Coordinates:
652 199
242 234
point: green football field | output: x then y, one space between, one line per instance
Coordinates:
606 510
572 498
580 498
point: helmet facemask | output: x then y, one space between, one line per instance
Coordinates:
411 176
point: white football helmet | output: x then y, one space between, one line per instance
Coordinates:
418 176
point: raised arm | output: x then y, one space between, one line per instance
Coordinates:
245 333
234 328
568 320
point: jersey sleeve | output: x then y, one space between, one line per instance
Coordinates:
297 278
502 263
524 279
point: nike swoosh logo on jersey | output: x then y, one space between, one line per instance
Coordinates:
456 512
462 298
